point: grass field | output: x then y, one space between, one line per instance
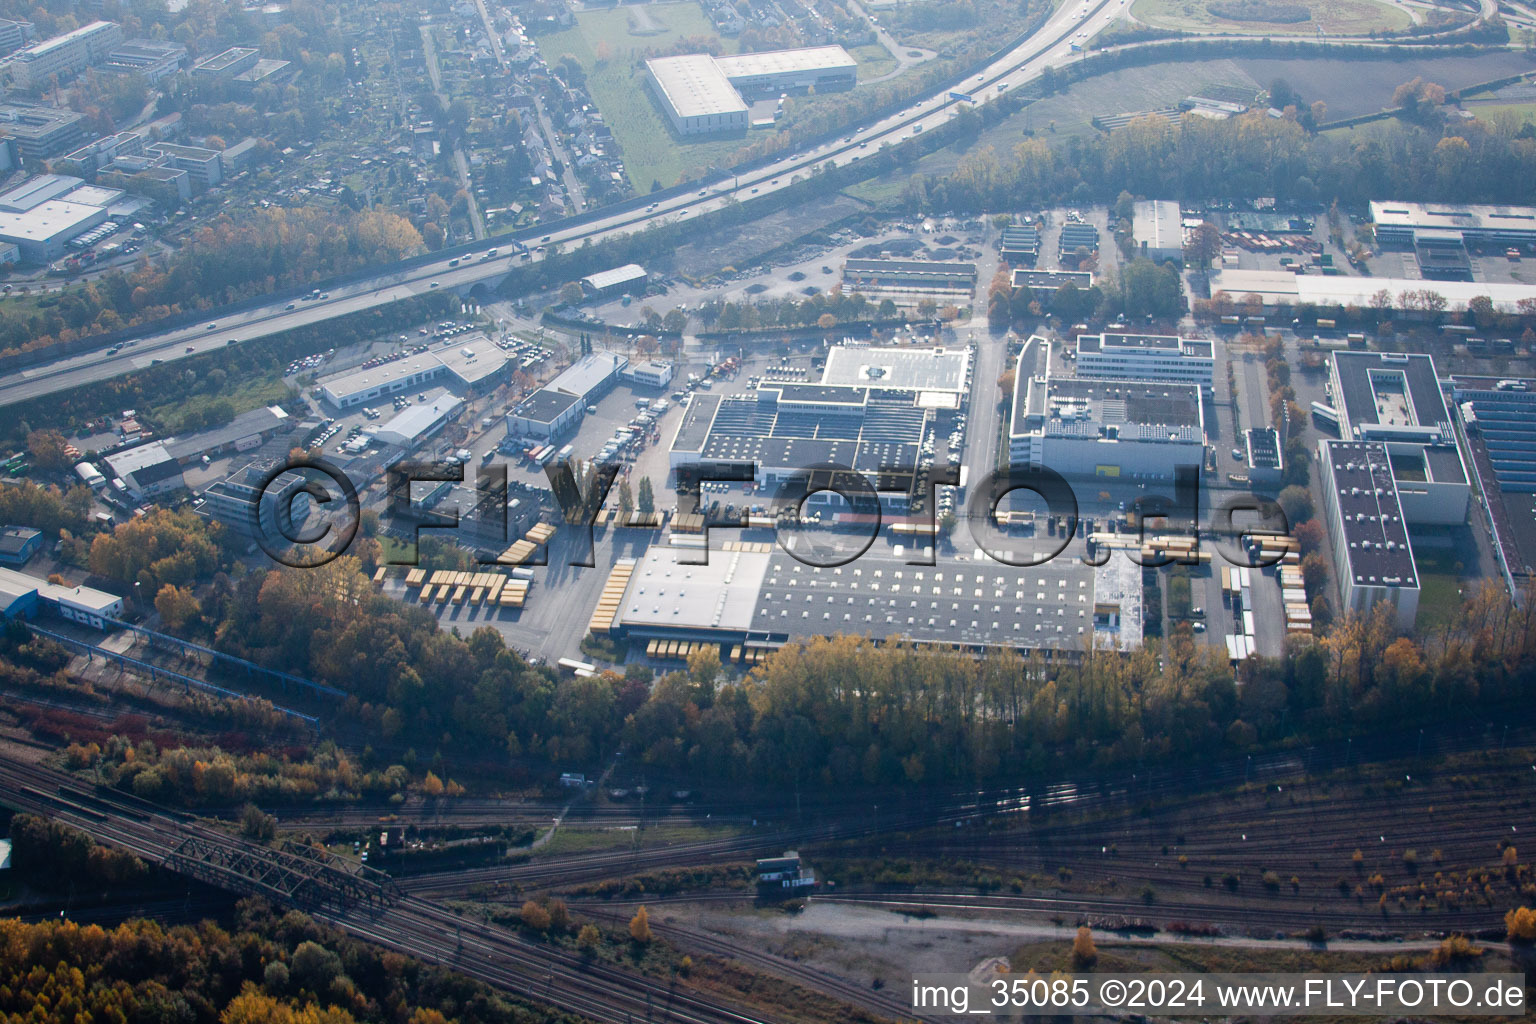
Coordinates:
1519 113
244 395
1440 595
618 85
1336 17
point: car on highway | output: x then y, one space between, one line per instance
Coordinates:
754 191
289 306
232 341
701 191
434 284
213 327
189 348
544 239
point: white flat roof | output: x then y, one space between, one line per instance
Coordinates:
356 381
1281 285
471 358
694 85
720 594
785 62
1453 216
48 221
135 459
15 584
36 191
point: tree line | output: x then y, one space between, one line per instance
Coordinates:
1200 159
225 261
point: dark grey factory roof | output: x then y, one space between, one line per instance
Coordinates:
1354 370
694 428
1371 515
545 406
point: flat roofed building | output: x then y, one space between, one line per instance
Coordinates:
15 34
42 232
146 471
36 191
590 377
206 166
760 595
649 374
414 425
1395 398
38 132
544 413
1266 462
934 373
151 59
264 72
227 63
22 593
64 55
1373 559
1044 283
821 68
236 501
360 386
1162 357
473 360
1498 417
908 275
696 95
1082 427
1398 222
1282 289
1158 229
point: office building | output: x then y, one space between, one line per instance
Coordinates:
1372 556
1156 357
14 35
150 59
63 56
205 166
37 132
237 503
225 65
413 425
1105 429
649 374
1396 399
473 363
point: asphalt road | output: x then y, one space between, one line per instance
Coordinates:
1048 46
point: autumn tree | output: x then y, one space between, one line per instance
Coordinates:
588 938
534 916
177 606
1520 925
640 926
48 450
1084 952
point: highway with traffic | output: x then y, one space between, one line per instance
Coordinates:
1070 26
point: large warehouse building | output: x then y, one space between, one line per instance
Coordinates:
1396 399
1498 417
1282 289
1401 223
1372 557
1124 429
703 94
696 95
756 595
1158 230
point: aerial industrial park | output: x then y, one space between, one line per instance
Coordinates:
702 512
